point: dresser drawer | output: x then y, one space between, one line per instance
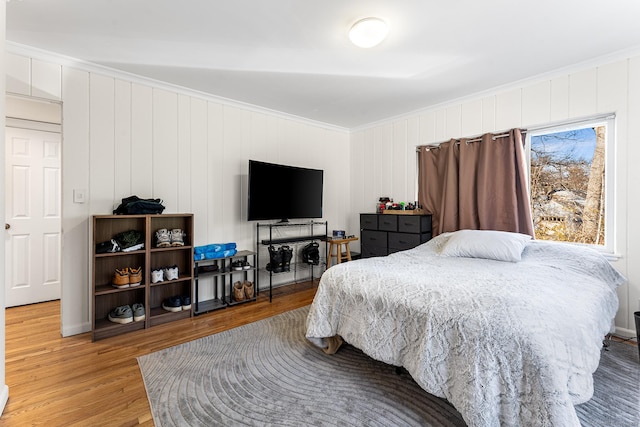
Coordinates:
414 223
402 241
374 238
368 221
388 222
367 251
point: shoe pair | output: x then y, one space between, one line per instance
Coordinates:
166 273
166 238
243 290
177 303
240 265
126 314
126 277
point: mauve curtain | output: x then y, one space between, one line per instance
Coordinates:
478 185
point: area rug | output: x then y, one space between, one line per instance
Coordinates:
266 373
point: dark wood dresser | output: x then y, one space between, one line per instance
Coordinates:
383 234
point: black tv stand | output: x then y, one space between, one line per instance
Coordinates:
296 232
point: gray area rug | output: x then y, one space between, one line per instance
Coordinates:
267 373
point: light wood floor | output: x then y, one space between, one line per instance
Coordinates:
72 381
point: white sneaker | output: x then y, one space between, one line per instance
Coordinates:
177 237
171 273
157 275
162 238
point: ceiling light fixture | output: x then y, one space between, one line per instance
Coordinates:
368 32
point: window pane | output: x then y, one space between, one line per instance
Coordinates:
567 185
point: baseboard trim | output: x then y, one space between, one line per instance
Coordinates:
624 332
4 397
67 331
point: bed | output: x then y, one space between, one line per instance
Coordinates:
507 329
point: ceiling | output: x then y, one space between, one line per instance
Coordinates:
294 56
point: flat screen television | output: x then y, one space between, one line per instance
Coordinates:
281 192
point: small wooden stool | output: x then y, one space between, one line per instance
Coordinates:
340 256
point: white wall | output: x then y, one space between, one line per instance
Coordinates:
383 155
4 390
123 135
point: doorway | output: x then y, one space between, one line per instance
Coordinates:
33 241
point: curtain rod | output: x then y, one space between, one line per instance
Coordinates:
555 125
493 138
470 140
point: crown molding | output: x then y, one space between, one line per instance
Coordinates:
596 62
66 61
35 53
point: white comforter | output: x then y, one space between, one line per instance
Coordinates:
508 344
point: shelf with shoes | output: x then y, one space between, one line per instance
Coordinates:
241 290
224 273
285 246
106 268
112 290
171 254
124 253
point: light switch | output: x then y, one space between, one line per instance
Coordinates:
79 195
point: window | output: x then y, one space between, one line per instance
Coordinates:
571 182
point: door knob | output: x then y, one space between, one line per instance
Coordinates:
7 226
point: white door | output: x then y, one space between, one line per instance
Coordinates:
33 217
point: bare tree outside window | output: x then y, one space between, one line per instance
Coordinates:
568 185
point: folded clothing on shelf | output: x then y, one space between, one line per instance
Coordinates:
214 250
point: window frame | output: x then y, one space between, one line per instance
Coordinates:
609 122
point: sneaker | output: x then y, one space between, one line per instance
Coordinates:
129 239
138 312
240 265
238 291
162 238
157 275
177 237
172 304
107 247
171 273
186 302
114 246
249 290
135 276
121 278
122 314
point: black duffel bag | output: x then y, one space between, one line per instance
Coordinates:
134 205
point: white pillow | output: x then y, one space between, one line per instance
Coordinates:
488 244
